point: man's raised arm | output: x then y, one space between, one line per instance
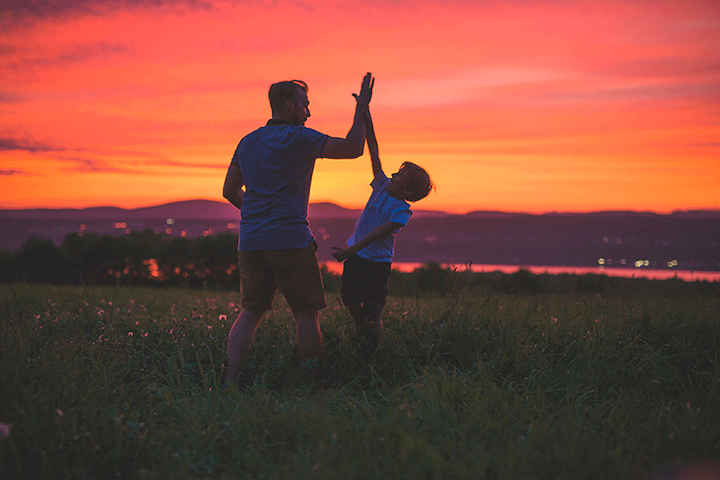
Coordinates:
353 144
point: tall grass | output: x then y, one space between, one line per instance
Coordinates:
102 382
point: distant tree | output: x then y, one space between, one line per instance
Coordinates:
39 260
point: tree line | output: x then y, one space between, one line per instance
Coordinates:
149 258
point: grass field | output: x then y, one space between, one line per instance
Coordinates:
102 382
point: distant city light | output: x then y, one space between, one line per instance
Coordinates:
170 221
168 231
120 225
231 226
153 268
601 261
642 263
183 233
672 263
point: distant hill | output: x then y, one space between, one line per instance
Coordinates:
213 210
183 210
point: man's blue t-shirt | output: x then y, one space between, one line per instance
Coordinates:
381 207
277 163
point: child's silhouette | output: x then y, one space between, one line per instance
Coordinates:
369 254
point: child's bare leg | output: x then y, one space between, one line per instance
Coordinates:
370 327
356 312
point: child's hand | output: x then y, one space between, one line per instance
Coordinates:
365 91
341 254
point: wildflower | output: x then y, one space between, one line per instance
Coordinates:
554 320
59 412
222 317
145 334
130 334
5 430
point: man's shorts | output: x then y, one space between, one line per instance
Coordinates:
364 281
294 271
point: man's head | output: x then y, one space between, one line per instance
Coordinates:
411 182
289 101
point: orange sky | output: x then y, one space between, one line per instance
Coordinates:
511 105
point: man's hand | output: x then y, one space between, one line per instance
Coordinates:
342 254
366 90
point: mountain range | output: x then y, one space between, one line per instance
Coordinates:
214 210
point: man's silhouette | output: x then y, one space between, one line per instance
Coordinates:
276 249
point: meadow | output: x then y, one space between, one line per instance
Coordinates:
528 379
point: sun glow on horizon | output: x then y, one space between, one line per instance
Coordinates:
520 106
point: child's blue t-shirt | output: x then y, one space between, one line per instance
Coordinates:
380 208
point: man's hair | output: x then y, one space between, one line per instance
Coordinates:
420 183
280 92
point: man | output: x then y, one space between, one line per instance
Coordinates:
276 249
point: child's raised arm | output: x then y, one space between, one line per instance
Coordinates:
373 145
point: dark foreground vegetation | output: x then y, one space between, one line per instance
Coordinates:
152 259
478 377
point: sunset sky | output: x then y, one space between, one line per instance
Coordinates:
520 105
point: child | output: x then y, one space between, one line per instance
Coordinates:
366 270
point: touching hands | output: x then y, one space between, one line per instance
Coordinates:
366 90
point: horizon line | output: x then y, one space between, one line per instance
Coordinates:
441 211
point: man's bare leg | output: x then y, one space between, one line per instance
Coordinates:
239 341
309 337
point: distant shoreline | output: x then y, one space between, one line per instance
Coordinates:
648 273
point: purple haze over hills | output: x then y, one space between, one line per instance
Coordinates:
214 210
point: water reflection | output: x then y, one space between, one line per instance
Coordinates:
687 275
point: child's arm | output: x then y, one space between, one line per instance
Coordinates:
383 230
373 145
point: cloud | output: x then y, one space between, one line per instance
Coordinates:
93 165
75 54
172 163
19 11
6 97
703 92
11 172
8 144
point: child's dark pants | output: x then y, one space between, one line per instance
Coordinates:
364 290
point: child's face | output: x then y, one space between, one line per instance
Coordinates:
399 182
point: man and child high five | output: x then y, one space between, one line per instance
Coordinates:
276 249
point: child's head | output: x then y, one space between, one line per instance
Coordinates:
412 182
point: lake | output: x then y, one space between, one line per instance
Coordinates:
687 275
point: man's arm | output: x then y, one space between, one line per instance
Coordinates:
373 146
232 189
353 144
381 231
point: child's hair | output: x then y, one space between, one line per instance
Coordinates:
420 183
